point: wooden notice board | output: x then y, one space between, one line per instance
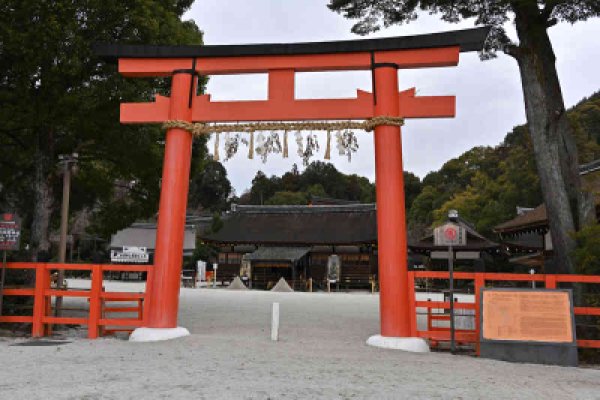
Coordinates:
527 315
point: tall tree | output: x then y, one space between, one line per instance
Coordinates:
211 188
57 97
551 133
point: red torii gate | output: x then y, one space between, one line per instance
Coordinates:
281 61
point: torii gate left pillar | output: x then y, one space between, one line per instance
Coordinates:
383 56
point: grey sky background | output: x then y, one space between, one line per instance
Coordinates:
489 102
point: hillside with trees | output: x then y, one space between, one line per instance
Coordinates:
318 179
486 184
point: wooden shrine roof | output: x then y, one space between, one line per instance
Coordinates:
298 225
531 220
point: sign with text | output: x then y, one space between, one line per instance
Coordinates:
450 234
527 315
130 254
10 231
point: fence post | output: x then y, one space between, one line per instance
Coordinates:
141 309
95 306
479 284
411 304
429 321
39 300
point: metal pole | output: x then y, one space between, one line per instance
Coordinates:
64 221
451 273
2 277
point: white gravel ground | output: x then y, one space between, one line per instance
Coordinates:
321 355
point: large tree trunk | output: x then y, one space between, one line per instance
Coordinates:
550 130
43 198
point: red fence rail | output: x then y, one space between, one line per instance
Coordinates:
480 279
42 319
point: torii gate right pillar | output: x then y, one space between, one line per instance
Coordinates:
391 225
391 219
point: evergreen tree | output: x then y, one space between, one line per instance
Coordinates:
57 97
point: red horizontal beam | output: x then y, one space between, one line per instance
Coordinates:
34 265
121 296
488 276
16 318
444 304
65 320
289 109
492 276
578 278
68 293
80 267
121 322
586 311
18 292
595 344
443 275
126 268
410 58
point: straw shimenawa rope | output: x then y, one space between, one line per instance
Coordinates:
368 125
198 129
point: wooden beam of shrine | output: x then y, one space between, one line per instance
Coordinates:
412 58
285 108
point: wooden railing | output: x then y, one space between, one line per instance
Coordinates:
439 334
42 319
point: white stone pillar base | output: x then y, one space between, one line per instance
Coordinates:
412 344
157 334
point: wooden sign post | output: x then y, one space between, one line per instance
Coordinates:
450 235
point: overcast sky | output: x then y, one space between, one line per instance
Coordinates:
488 94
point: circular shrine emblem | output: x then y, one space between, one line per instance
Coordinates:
450 233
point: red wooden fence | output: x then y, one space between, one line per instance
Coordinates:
42 319
438 334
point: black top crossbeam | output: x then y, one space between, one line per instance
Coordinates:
467 39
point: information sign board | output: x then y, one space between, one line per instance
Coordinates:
542 316
10 231
130 254
528 325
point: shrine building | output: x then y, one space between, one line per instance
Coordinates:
295 242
